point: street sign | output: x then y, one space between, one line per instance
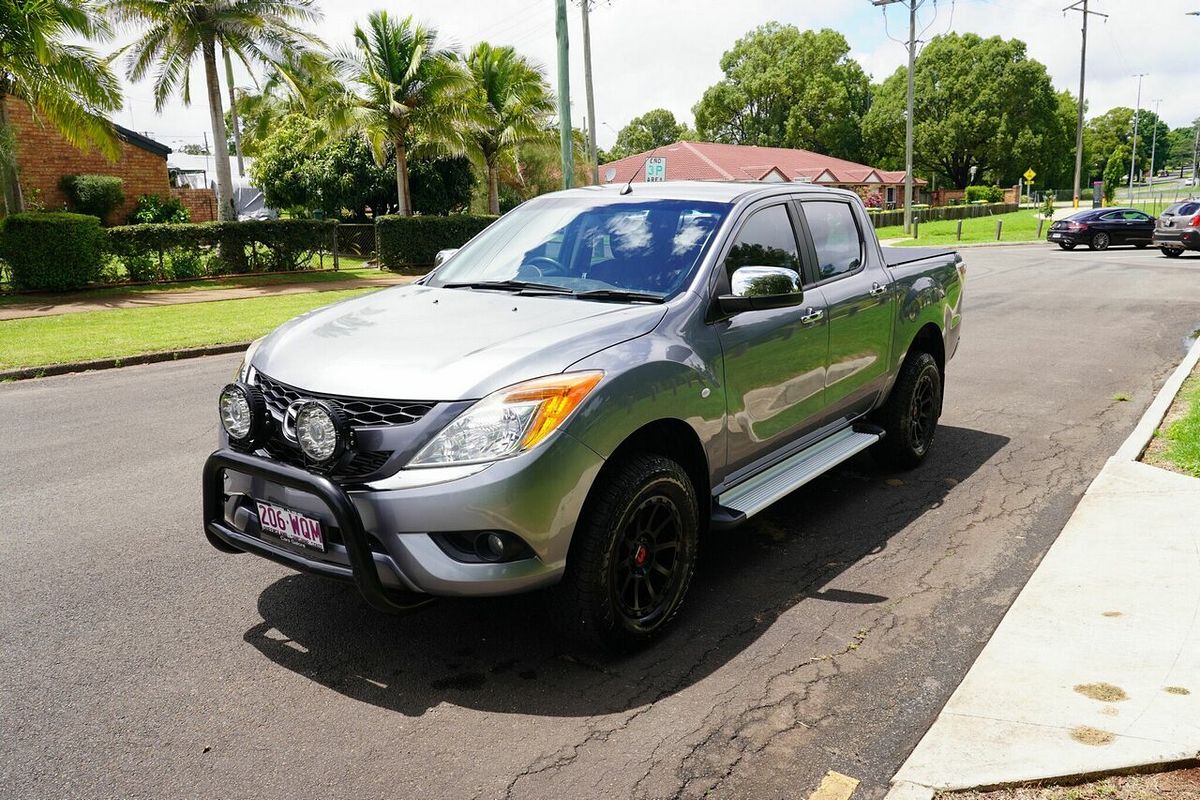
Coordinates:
1029 174
656 169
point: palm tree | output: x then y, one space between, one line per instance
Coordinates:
64 83
302 83
410 92
514 102
176 31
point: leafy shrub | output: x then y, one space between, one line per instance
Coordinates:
52 252
97 195
246 246
1047 210
155 210
141 267
412 242
985 194
874 200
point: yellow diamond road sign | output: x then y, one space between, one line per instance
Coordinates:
1030 174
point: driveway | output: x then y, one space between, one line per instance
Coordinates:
136 661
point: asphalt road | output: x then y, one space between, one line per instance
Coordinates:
136 661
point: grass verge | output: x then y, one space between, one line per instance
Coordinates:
352 269
1183 784
125 332
1019 226
1176 443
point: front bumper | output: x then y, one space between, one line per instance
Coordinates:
381 539
1188 239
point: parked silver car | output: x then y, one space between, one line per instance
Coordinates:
1178 228
573 399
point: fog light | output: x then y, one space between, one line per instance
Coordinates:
321 431
491 547
243 414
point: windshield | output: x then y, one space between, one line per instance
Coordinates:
646 247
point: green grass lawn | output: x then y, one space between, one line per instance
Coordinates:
125 332
1019 226
351 269
1178 443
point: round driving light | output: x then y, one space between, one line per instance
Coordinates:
321 431
243 413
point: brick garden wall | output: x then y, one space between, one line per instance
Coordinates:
44 157
201 202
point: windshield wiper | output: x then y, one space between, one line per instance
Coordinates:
511 286
620 294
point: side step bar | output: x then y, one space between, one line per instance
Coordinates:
756 493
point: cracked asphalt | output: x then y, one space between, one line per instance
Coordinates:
138 662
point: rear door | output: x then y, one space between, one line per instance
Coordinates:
774 358
859 297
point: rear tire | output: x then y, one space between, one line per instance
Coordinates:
1171 252
632 558
910 415
1067 245
1100 241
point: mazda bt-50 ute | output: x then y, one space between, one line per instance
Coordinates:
572 400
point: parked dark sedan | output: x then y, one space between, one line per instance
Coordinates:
1099 228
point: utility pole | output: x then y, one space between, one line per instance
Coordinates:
1154 143
908 115
564 95
1081 6
587 85
233 117
1137 112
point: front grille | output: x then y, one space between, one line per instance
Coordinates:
359 465
361 412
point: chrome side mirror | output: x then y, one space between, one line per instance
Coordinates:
443 256
754 288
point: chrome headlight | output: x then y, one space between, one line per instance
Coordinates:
243 373
509 421
243 414
321 431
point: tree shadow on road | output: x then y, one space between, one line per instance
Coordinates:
498 654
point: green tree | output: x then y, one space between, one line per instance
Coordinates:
511 104
1114 128
177 31
411 92
979 103
1116 171
1181 146
656 128
63 83
784 87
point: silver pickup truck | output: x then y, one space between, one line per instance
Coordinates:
574 399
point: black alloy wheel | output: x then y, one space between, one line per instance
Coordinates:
910 415
646 566
1067 245
1100 241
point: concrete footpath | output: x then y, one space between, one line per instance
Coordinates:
1096 666
79 303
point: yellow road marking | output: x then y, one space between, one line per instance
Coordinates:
835 786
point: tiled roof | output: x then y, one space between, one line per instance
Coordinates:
732 162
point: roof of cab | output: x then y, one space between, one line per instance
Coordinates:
712 191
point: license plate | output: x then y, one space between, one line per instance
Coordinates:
290 526
1056 236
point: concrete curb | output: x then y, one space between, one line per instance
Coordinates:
977 742
27 373
1137 441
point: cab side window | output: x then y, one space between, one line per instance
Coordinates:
835 237
765 240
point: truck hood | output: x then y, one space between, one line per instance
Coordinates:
424 343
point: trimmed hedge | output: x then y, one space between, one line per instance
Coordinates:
98 195
52 251
410 242
190 250
984 194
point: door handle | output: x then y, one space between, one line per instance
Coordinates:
812 316
877 290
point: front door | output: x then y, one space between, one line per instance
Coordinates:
774 359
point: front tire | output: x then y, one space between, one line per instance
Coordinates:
632 558
909 417
1100 241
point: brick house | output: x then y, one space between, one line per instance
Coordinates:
44 157
711 161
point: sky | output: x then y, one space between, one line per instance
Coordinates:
664 53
